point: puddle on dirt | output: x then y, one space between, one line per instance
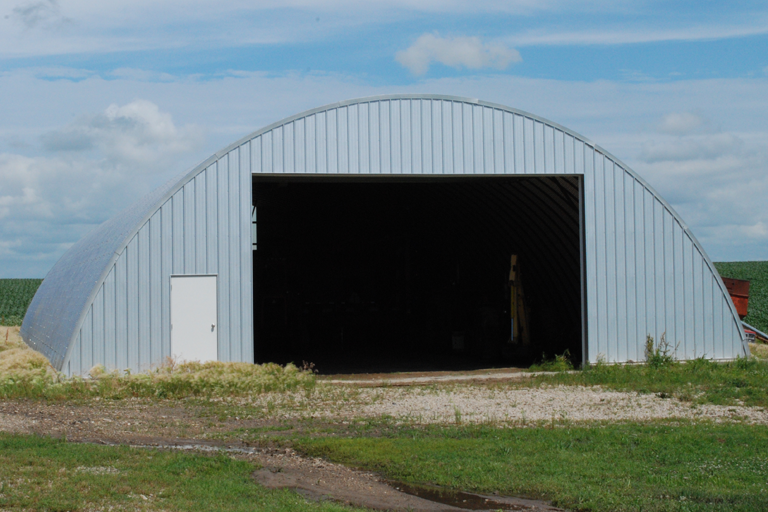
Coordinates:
458 499
469 501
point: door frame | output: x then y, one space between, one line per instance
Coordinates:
170 309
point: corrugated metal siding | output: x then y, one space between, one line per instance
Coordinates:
58 310
645 273
127 325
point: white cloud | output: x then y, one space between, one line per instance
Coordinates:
717 179
759 230
456 52
6 248
97 165
714 180
692 148
137 133
681 122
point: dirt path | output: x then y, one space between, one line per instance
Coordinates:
254 428
318 479
152 425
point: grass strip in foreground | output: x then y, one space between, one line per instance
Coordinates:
739 382
46 474
657 467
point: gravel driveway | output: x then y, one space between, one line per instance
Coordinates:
470 403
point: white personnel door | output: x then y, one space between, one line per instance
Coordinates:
194 318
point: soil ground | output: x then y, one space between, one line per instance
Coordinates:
259 428
174 425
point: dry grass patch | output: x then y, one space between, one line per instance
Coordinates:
25 373
759 350
19 362
211 379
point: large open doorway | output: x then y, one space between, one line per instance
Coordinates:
393 274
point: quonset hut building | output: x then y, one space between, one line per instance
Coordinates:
381 229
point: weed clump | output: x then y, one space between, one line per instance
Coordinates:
659 355
560 363
25 373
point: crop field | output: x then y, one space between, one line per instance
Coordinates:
757 273
15 296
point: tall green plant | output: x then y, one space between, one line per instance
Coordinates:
659 355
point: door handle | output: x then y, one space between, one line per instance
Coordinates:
213 326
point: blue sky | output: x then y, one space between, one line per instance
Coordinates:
101 102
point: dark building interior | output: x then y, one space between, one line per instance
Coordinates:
389 274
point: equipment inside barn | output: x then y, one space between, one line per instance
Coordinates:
517 311
374 275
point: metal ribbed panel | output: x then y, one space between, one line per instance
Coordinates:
144 359
121 314
177 238
200 211
178 232
110 344
234 267
74 367
211 218
166 269
98 326
645 273
223 255
59 307
156 288
132 300
128 323
640 281
188 227
86 343
246 255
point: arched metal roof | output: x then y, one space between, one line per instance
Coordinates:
58 308
56 314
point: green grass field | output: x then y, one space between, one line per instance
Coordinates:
744 381
649 467
46 474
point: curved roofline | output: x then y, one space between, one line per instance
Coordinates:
690 234
188 176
